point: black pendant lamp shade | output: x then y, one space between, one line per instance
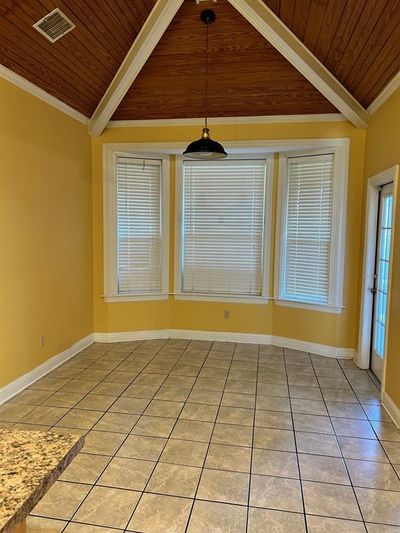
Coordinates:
205 147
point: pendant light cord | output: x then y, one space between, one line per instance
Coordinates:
206 82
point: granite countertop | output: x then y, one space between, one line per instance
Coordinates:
30 462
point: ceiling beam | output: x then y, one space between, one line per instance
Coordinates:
278 34
148 37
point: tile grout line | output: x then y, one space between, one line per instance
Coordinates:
341 451
295 444
116 451
211 435
167 438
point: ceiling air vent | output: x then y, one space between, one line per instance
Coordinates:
54 25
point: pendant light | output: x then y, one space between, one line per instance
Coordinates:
205 147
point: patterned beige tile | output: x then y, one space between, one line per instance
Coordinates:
318 444
349 427
172 393
205 397
222 486
201 412
380 506
96 402
312 423
10 412
45 415
31 397
366 449
141 447
324 469
386 431
184 452
393 451
119 507
80 418
74 527
102 442
116 422
276 493
175 480
85 468
231 434
265 520
373 475
158 514
224 457
274 439
154 426
273 403
192 430
164 408
275 463
336 501
273 419
64 399
133 406
319 524
62 500
127 473
35 524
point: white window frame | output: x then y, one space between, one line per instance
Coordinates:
338 239
110 226
267 233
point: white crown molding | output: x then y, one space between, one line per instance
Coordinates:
386 93
26 380
30 88
312 347
391 408
270 119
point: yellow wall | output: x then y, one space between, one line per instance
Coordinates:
383 151
325 328
45 232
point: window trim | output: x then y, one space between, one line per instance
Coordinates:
338 243
110 226
266 245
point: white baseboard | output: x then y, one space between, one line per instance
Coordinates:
312 347
125 336
17 386
27 379
391 408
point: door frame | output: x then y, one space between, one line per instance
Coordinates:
366 308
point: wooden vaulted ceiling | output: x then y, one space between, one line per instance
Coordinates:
357 40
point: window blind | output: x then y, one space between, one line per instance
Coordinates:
138 225
308 228
222 227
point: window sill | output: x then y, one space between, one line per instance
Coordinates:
223 298
324 308
119 298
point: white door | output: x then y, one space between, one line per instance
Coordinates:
381 279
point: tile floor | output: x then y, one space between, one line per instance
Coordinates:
215 437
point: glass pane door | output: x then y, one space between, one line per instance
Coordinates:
382 279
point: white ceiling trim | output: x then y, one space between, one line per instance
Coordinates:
30 88
153 29
386 93
267 119
278 34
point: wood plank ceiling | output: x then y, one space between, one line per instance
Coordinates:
357 40
77 68
247 76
